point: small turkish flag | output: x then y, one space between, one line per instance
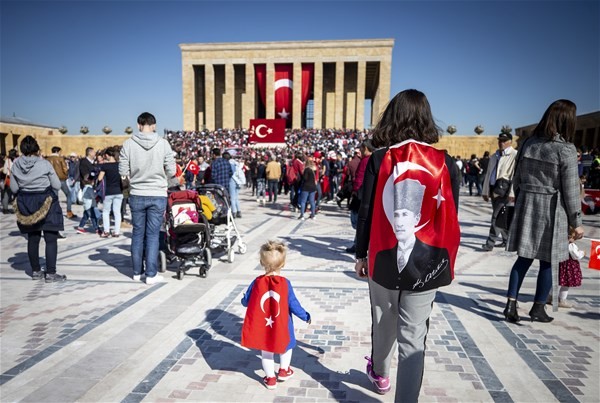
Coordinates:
595 255
193 168
267 317
267 131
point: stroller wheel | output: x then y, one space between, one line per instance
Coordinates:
242 248
207 258
230 256
203 272
162 258
180 274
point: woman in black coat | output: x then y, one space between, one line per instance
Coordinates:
36 185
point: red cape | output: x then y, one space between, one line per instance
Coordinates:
267 317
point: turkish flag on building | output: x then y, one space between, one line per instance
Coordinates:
267 317
267 131
283 90
595 255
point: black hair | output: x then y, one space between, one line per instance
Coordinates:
146 119
559 118
12 154
407 116
216 152
113 152
87 150
56 149
226 155
29 146
368 144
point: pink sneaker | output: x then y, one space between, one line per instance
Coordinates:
382 385
284 375
270 383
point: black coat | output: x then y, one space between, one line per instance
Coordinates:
30 202
428 267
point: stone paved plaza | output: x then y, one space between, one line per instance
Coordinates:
101 337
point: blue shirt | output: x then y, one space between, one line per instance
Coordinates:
221 172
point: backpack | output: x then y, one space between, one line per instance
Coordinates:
290 173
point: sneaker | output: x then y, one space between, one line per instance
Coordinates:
301 218
61 236
81 230
312 217
156 279
382 385
284 375
238 215
104 235
37 275
270 383
563 303
487 248
70 214
116 234
55 277
137 277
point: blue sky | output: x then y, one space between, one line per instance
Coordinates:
100 63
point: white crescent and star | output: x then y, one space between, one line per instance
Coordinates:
264 298
283 114
283 83
598 251
261 135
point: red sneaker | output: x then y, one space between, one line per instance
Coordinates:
382 384
270 383
284 375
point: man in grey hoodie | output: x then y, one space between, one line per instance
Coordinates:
148 161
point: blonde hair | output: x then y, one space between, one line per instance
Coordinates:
272 255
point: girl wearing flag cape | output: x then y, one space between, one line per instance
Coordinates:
407 238
268 324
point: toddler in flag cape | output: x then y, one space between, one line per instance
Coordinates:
268 324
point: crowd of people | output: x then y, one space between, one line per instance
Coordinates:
391 180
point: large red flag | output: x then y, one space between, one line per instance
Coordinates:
267 317
283 89
595 255
267 131
414 211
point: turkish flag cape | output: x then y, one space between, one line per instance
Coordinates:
267 317
267 131
438 225
595 255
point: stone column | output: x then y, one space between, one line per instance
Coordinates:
339 94
269 93
229 98
360 94
383 92
209 96
318 96
297 96
248 97
189 97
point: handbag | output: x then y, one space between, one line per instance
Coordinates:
502 187
504 218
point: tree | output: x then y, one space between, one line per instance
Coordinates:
128 130
63 130
84 130
106 129
451 129
479 129
506 129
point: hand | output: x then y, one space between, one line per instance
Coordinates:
361 268
309 321
485 198
578 233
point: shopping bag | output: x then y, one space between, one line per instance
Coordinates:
595 255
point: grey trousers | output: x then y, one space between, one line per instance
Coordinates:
400 318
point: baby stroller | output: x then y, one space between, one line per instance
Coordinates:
188 232
223 231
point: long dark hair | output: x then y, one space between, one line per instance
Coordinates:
559 118
407 116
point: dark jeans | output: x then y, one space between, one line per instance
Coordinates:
273 187
497 234
147 214
544 279
472 179
33 250
92 214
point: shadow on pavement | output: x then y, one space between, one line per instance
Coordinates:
20 262
327 248
225 355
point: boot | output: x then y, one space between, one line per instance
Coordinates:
510 312
538 313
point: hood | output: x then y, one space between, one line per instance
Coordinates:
146 140
25 163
